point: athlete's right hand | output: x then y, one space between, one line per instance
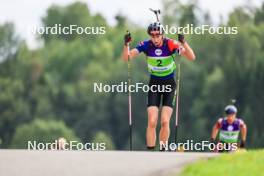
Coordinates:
127 38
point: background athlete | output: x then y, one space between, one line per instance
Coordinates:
229 128
159 52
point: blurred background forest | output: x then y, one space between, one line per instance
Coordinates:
46 93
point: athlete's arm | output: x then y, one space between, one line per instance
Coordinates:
215 129
243 128
187 52
132 53
214 132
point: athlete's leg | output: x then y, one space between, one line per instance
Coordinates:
164 134
166 112
153 111
151 128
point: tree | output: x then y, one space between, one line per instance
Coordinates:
101 137
41 131
74 14
176 13
9 41
259 15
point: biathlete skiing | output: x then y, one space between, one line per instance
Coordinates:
229 128
159 52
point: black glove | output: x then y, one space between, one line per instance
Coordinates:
213 141
242 144
181 38
127 38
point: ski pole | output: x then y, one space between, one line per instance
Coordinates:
233 101
177 97
129 97
156 12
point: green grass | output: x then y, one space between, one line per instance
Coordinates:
249 163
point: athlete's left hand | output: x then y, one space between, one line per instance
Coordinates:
181 38
242 144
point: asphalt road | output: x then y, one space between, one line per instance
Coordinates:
93 163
